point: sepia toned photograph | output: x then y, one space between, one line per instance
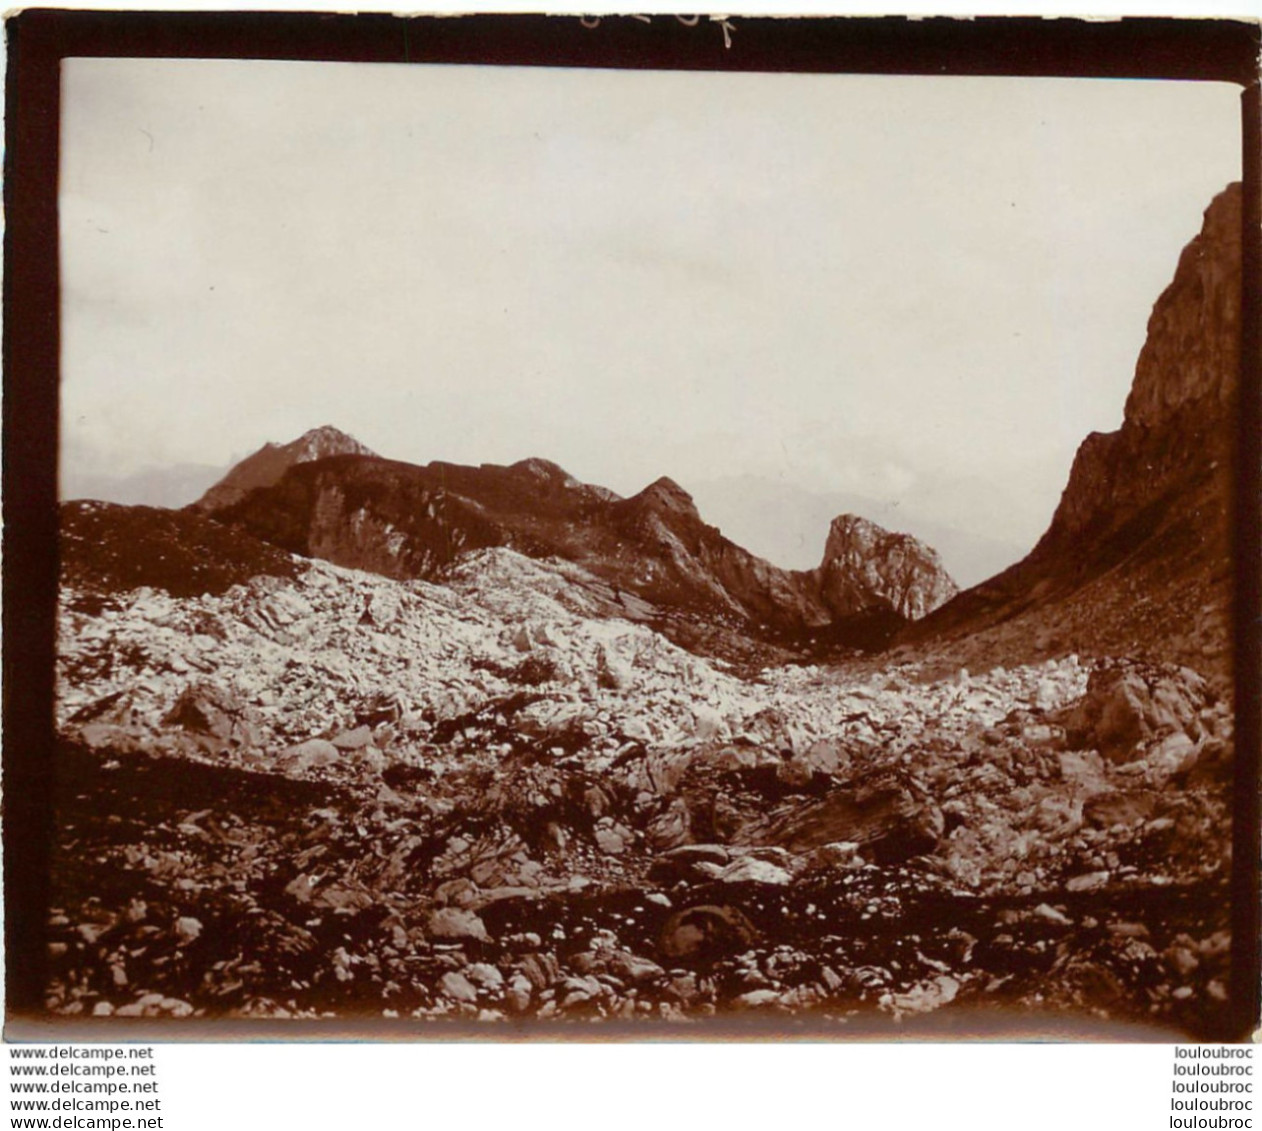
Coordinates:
552 550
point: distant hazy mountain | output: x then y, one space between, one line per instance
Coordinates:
174 486
788 525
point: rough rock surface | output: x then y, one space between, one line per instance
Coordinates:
481 783
521 837
866 566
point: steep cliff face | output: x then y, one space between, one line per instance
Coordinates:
866 566
407 521
400 520
1137 558
1191 357
271 461
1177 421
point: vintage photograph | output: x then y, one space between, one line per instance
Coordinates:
551 550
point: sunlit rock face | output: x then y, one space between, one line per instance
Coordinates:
865 565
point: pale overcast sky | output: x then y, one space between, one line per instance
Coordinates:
925 291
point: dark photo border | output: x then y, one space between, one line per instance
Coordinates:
38 40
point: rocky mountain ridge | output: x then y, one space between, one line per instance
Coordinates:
786 523
270 462
1137 558
408 522
861 560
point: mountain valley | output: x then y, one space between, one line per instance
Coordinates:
360 739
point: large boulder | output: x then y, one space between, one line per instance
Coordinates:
706 932
1128 705
866 567
207 709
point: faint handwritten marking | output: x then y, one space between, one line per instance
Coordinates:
727 27
724 22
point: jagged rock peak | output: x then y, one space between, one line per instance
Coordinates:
865 564
550 473
543 469
323 442
1192 351
271 461
1179 420
1137 559
850 535
666 494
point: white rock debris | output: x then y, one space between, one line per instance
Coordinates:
488 798
301 657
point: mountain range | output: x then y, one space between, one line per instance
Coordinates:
325 495
781 521
1136 559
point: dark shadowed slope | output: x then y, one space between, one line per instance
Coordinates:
109 547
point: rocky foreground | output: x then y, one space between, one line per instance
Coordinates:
335 794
